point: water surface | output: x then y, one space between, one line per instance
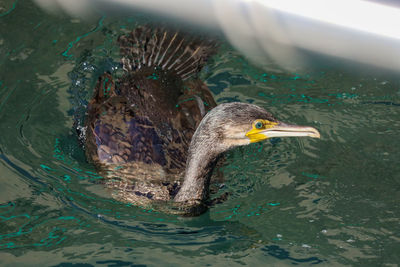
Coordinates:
332 201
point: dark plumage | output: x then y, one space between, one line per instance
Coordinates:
146 132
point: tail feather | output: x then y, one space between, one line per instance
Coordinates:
171 51
168 47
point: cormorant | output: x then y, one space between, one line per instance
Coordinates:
156 133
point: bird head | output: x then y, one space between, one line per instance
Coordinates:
236 124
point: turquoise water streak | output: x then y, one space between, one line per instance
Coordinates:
332 201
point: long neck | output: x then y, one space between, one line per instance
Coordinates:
199 167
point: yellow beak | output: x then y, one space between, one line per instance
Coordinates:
281 130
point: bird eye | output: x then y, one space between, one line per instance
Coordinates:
259 125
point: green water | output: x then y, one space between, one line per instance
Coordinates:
333 201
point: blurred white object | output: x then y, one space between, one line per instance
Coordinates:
281 30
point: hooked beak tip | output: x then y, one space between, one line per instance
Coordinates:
286 130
